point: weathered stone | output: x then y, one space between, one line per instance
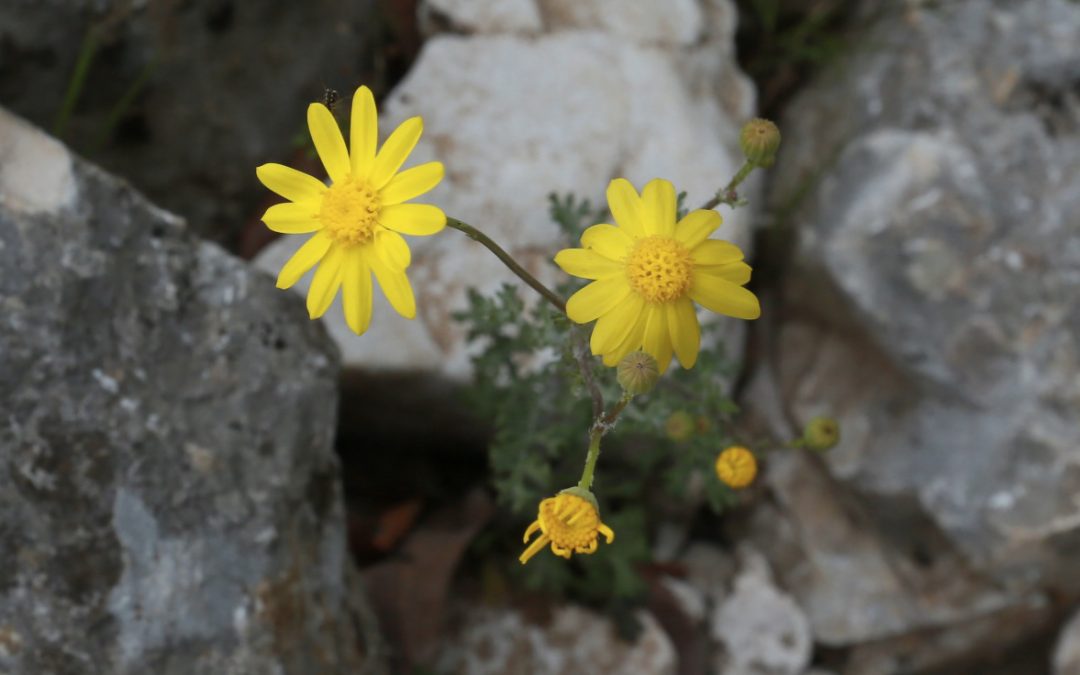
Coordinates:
482 16
574 640
515 118
933 311
169 495
1067 651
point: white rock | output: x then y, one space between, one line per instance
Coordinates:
666 21
486 16
1067 652
35 169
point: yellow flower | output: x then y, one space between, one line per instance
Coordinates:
736 467
569 522
649 271
359 218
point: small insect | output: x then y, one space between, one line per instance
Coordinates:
330 98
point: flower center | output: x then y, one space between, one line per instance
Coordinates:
569 521
659 269
350 212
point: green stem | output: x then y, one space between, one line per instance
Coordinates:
590 459
78 79
728 195
124 104
478 236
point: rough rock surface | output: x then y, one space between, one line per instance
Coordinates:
169 496
1067 651
213 88
933 310
574 640
516 117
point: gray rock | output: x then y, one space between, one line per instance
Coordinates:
1067 652
933 309
169 495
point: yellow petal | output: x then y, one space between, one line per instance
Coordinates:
612 327
325 282
696 227
631 342
625 206
658 199
534 548
715 252
290 183
418 220
363 132
736 272
724 297
685 331
328 141
657 341
393 250
586 263
306 257
607 240
412 183
531 530
608 533
356 291
597 298
293 217
395 151
396 287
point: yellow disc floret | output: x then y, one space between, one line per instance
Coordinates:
659 269
736 467
568 522
350 212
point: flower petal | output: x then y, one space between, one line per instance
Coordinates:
597 298
393 250
685 331
658 199
293 217
356 291
328 141
607 240
586 263
412 183
613 326
395 151
306 257
325 282
625 206
736 272
631 342
657 341
418 220
696 227
363 132
724 297
395 286
291 184
715 252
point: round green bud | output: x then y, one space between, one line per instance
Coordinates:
680 426
759 140
637 373
821 434
584 494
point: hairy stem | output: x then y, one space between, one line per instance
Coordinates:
729 194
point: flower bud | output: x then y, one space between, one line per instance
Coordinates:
759 140
821 434
587 495
680 426
637 373
736 467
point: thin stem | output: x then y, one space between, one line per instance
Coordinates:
124 104
729 194
478 236
78 79
590 459
581 351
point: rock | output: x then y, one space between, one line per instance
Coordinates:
761 628
213 88
515 118
1066 659
482 16
575 640
169 494
932 310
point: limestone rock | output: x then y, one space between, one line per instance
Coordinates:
515 118
169 494
1067 652
575 640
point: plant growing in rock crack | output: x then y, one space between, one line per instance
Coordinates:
646 273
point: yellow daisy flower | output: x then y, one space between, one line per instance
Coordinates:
569 522
649 271
736 467
359 218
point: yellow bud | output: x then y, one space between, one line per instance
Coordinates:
736 467
821 434
759 140
637 373
587 495
680 426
